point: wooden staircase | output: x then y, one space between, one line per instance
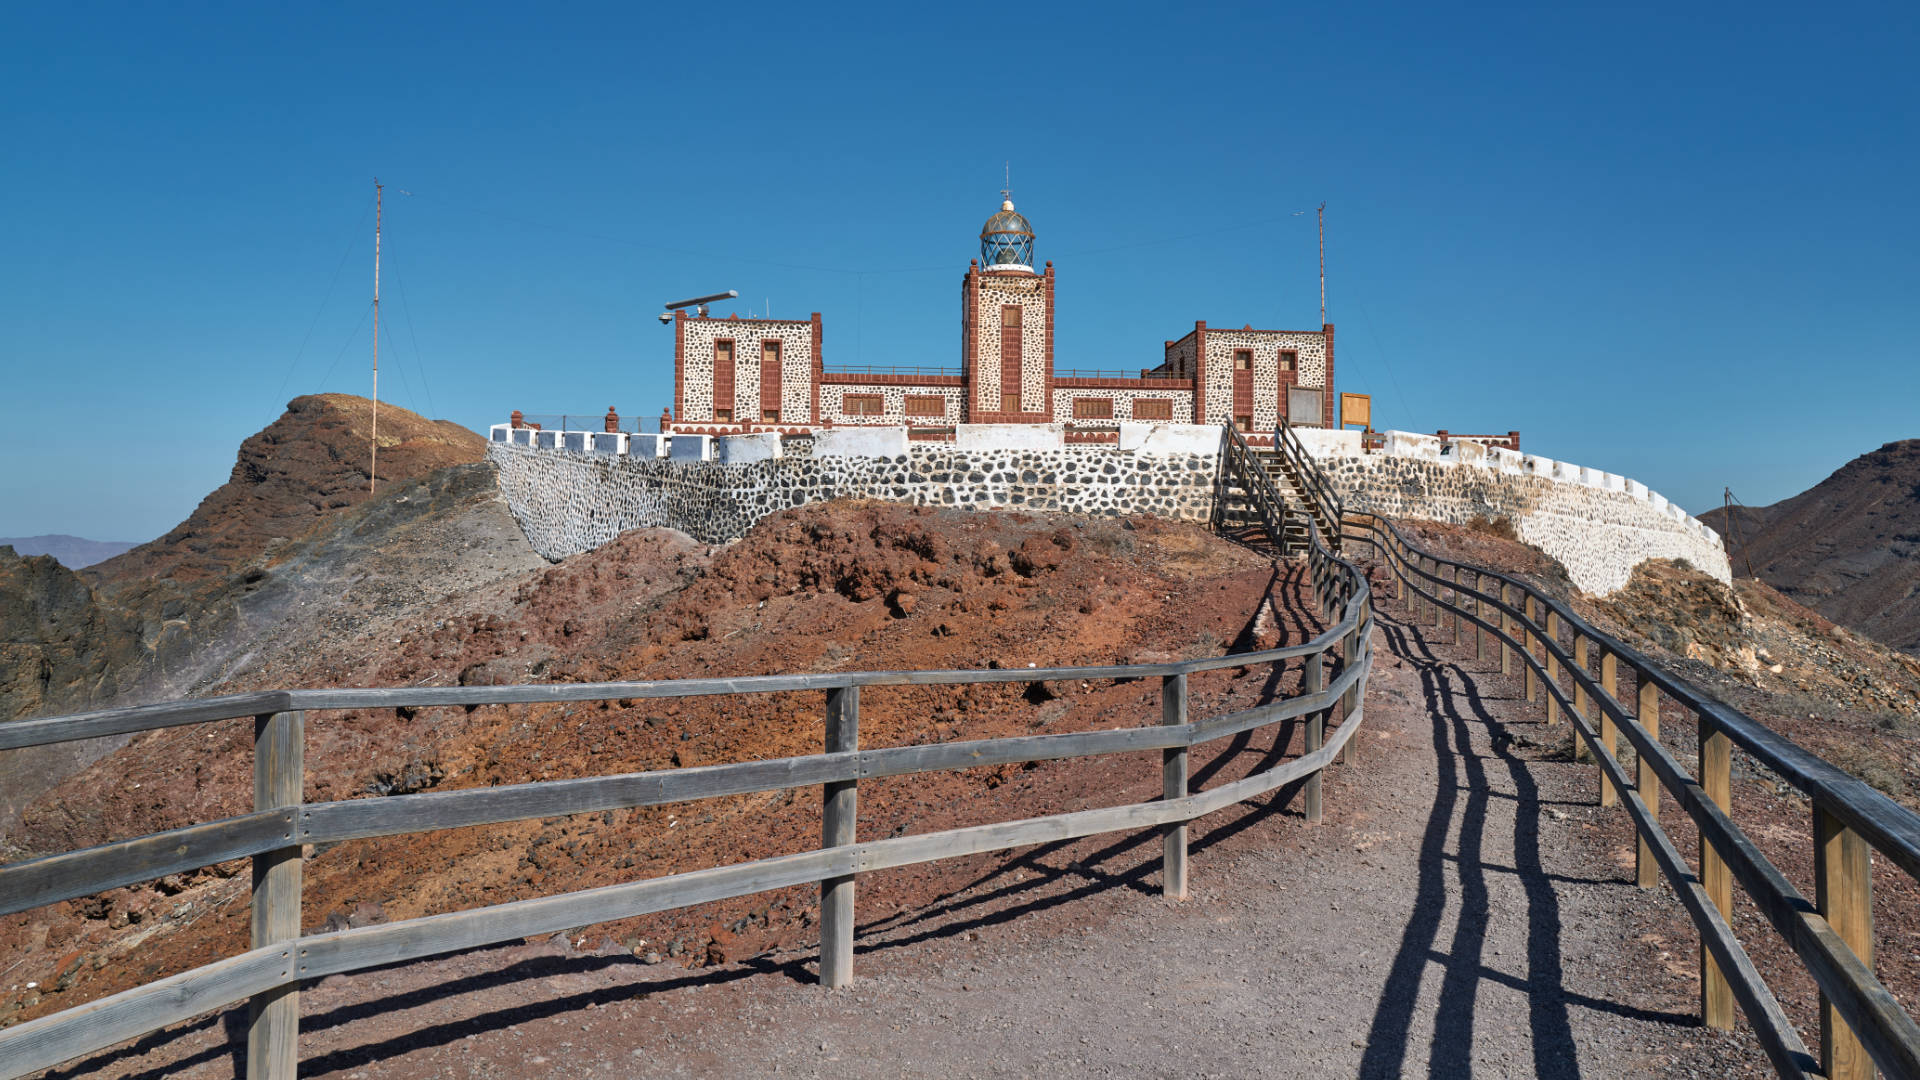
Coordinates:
1272 493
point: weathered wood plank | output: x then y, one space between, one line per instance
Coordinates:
839 812
1313 680
46 880
273 1016
1646 873
1716 781
1843 891
1173 787
46 1042
92 725
1609 687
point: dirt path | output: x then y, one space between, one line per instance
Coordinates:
1462 912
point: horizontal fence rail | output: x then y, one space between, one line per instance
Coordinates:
1862 1024
1335 666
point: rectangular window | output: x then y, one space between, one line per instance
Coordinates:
925 405
1009 402
771 416
723 379
1244 423
1289 360
865 405
1010 315
1243 359
1091 408
1152 409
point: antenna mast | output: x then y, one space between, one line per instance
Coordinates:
373 478
1323 264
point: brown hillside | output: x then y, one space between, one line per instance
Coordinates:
820 588
1848 547
312 460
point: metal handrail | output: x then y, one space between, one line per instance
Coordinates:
1861 1019
275 833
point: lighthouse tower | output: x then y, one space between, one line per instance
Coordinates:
1006 338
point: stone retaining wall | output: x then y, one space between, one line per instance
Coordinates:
1600 526
569 502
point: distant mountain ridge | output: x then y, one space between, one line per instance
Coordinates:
1848 547
73 552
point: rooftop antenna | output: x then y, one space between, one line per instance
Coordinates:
1006 193
1323 264
373 475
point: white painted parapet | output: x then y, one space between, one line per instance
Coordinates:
684 447
647 446
1009 436
872 442
740 449
1163 439
608 442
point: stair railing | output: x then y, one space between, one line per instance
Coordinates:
1236 461
1314 485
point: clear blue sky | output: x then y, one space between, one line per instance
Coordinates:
1676 241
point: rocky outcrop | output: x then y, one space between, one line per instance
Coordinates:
288 478
1848 547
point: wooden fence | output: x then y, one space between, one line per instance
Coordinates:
1576 669
1334 671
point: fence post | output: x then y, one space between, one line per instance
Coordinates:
1173 785
1314 680
1455 609
1581 751
1647 872
840 806
1609 682
1843 891
1526 642
1716 779
1507 621
273 1017
1480 610
1547 645
1349 652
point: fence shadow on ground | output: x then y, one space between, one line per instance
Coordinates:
1457 878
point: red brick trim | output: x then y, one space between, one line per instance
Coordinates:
679 363
819 366
850 378
1068 382
1049 333
969 367
1200 371
1328 405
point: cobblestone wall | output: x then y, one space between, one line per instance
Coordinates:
569 503
1599 533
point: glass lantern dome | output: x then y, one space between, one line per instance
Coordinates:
1006 241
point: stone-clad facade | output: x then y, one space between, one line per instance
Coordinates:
570 503
570 498
1007 371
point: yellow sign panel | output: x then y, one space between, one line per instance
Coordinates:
1356 409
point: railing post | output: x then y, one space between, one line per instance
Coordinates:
839 810
1512 627
1609 682
1480 610
1526 642
1716 779
1454 611
1647 872
1314 680
1349 653
1173 785
1547 645
1843 891
1581 751
273 1017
